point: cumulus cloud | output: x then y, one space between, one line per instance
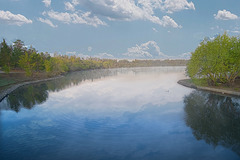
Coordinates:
225 15
120 10
13 19
75 18
148 50
186 55
75 2
47 21
47 3
129 10
69 6
104 55
151 50
168 21
171 6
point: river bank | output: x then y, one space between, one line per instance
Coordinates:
14 82
234 91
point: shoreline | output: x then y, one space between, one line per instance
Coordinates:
13 87
189 84
6 92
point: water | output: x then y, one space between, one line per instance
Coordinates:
139 113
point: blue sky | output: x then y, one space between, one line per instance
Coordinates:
142 29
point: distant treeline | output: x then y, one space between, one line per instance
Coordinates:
18 57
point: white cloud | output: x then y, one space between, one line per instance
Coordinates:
120 10
168 21
151 50
47 3
13 19
237 32
154 29
148 50
225 15
75 2
69 6
129 10
47 21
71 53
75 18
89 49
215 28
104 55
186 55
176 5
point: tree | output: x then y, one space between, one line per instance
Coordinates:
216 61
38 61
27 64
18 50
5 56
48 65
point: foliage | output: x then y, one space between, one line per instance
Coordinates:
216 61
32 62
5 56
26 62
18 50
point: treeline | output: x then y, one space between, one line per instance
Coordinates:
216 61
18 57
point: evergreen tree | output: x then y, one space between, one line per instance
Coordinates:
18 50
5 56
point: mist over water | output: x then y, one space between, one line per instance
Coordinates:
136 113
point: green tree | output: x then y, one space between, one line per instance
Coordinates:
27 64
59 64
18 50
5 56
216 61
48 66
38 62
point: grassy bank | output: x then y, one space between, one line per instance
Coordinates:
234 89
8 80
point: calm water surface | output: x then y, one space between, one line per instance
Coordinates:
139 113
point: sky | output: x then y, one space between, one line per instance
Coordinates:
122 29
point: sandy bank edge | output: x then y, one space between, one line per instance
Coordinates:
6 92
187 83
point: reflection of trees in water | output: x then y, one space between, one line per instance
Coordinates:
29 96
214 118
75 78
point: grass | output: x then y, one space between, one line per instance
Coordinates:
234 87
5 82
